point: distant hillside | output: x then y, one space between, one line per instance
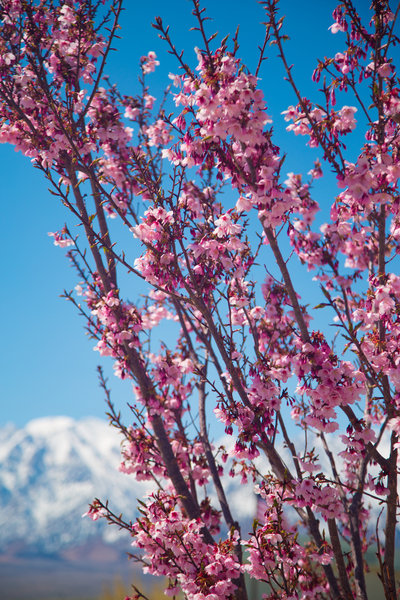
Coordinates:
53 468
49 472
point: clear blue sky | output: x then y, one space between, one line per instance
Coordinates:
48 366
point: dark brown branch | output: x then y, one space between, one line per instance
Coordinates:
117 12
337 550
328 153
105 234
174 473
391 520
88 230
288 283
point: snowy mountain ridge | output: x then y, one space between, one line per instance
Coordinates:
50 471
53 468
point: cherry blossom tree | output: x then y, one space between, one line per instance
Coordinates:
187 195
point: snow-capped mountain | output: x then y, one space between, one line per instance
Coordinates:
50 471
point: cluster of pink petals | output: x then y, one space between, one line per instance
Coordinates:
149 62
203 571
276 555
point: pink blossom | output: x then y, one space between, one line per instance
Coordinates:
149 62
385 70
62 239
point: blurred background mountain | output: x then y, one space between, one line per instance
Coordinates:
50 470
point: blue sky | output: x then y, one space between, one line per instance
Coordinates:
48 366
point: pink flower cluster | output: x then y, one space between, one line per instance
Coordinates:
276 556
149 62
328 383
173 547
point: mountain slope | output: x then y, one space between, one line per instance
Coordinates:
49 472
